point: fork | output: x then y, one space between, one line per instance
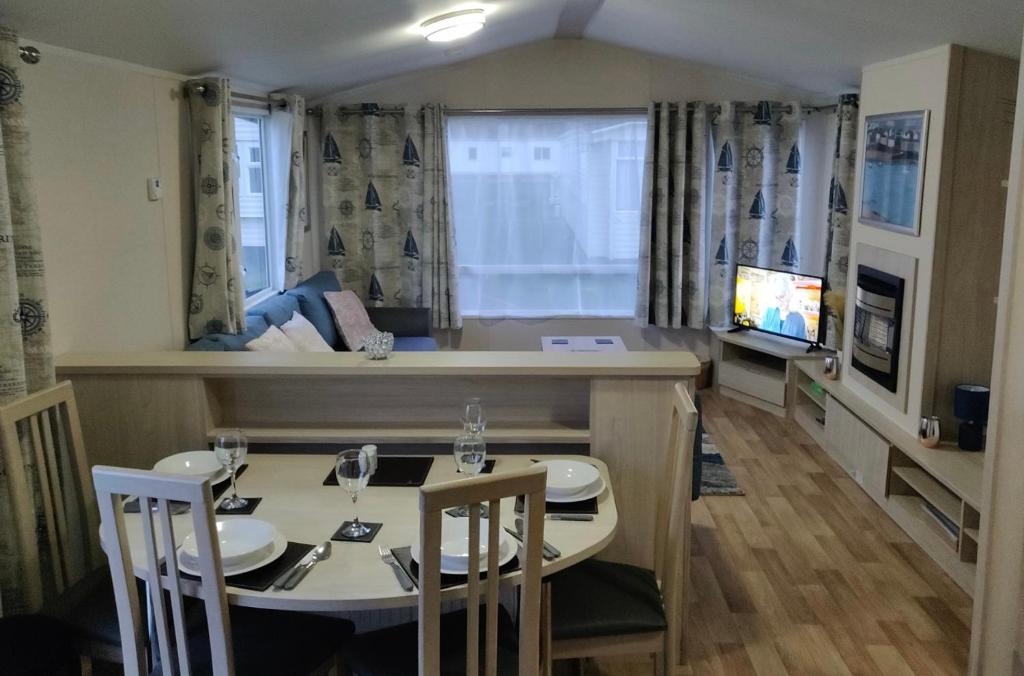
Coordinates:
389 558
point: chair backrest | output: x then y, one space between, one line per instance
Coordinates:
436 498
672 534
43 452
155 491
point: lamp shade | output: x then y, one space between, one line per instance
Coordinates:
970 402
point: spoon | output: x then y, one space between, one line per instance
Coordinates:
321 553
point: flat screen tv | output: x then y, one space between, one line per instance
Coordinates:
778 302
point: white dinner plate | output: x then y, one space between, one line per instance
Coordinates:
592 491
193 463
242 542
569 477
279 547
455 542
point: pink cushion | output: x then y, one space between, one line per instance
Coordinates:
350 317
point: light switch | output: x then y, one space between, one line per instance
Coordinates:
153 189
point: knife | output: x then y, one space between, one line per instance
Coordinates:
569 517
549 549
548 556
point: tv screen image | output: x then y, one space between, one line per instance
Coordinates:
778 302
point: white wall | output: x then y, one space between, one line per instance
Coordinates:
916 82
568 74
115 262
999 600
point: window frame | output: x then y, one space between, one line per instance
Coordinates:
504 154
263 118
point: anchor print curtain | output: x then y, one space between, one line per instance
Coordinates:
844 165
756 182
26 362
672 264
216 304
296 212
386 212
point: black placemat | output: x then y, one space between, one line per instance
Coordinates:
404 557
488 467
261 578
249 507
395 470
581 507
132 506
341 537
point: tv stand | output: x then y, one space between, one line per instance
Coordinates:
757 368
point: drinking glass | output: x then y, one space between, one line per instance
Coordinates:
473 419
231 448
470 455
353 471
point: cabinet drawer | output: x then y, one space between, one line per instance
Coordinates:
756 380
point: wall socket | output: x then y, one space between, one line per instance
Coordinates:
153 189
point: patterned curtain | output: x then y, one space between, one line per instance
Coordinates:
385 206
672 265
840 189
755 207
296 212
26 362
217 304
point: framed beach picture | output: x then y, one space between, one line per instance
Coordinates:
893 174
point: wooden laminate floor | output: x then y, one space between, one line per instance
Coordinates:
805 574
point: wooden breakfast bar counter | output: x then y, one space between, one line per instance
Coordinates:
139 407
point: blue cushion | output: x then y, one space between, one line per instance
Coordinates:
415 344
276 310
312 305
255 326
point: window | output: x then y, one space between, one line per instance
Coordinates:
471 153
552 236
250 139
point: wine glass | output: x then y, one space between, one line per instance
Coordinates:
470 456
353 471
231 448
473 419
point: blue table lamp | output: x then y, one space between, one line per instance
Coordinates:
970 405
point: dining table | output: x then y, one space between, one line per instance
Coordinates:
295 500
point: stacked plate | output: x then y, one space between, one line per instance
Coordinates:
455 546
245 544
572 481
194 463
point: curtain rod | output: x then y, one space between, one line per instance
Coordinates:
268 101
318 110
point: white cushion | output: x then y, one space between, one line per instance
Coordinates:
305 336
273 340
351 318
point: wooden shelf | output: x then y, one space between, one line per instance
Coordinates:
972 533
931 490
546 433
959 471
818 399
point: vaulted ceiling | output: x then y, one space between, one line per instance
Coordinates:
320 46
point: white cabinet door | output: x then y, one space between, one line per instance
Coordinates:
857 448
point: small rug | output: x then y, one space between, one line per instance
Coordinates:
715 478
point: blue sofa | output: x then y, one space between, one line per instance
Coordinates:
411 326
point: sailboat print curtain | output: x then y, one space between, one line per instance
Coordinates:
755 208
844 165
672 263
26 361
385 209
216 304
296 213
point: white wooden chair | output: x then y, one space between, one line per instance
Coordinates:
450 643
43 430
601 608
236 640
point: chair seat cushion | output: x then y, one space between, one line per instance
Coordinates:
601 598
274 642
88 608
393 651
415 344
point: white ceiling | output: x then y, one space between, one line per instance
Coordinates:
321 46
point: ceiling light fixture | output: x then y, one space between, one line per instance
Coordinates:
453 25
